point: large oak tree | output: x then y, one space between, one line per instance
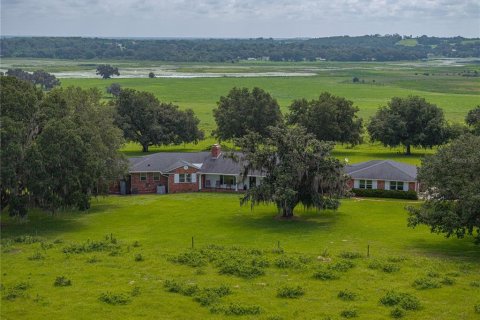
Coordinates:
58 150
452 185
410 121
329 118
243 111
299 169
146 120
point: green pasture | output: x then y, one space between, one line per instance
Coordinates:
440 81
151 232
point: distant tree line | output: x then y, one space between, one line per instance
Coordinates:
39 77
341 48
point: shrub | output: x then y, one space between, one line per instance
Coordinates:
396 259
476 308
209 296
241 310
136 244
448 281
397 313
409 302
62 282
114 298
27 239
475 284
91 246
325 275
342 266
135 291
426 283
93 260
241 269
12 294
191 258
21 286
404 300
389 268
350 255
433 274
375 264
138 257
379 193
16 291
347 295
351 313
290 292
36 256
285 262
172 286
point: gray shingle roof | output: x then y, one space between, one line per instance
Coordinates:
382 170
167 161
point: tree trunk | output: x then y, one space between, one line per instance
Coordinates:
287 212
145 148
408 152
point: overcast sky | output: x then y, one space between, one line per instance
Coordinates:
236 18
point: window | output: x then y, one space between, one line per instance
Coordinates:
185 178
229 180
156 176
143 176
396 185
365 184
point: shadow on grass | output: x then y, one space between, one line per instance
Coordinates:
451 248
42 223
304 221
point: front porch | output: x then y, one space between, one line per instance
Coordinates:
227 183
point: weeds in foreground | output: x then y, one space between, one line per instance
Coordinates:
290 292
62 282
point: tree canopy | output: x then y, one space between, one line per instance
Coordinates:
243 111
473 120
450 178
44 79
339 48
329 118
107 71
114 89
299 169
58 150
146 120
410 121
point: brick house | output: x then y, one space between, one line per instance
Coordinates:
384 175
172 172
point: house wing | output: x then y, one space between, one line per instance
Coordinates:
383 170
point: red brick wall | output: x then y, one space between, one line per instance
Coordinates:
381 184
182 187
114 187
350 183
411 186
146 186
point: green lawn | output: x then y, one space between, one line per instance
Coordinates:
164 226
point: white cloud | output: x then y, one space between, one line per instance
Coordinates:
239 17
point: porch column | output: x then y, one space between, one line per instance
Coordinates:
199 182
236 184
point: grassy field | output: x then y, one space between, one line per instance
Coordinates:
131 258
440 81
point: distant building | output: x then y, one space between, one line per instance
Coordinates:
384 175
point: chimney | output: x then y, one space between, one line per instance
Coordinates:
216 151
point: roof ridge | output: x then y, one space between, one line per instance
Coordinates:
394 164
373 165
